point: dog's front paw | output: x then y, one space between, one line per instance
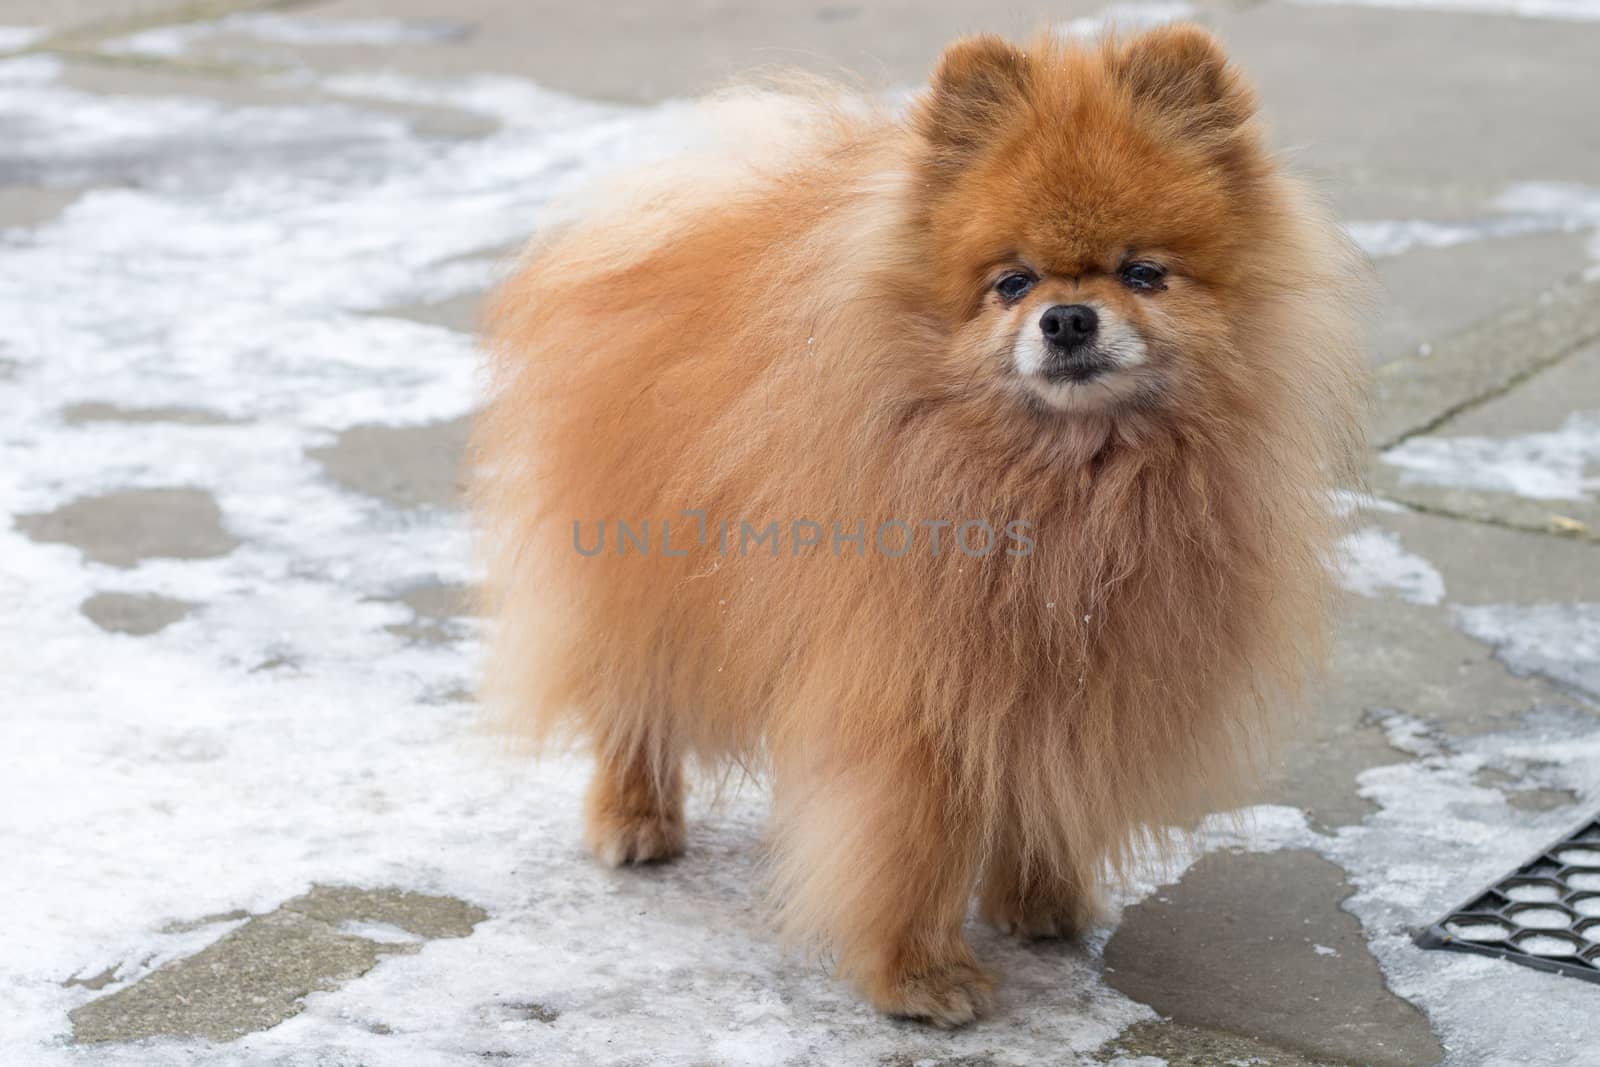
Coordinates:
618 838
946 994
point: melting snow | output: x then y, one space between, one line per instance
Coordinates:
1437 838
1542 466
1392 237
1527 207
167 41
16 38
1372 562
1346 502
1559 641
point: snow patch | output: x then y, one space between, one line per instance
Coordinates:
373 32
1528 208
1392 237
167 42
382 933
1541 466
1557 641
1575 207
1346 502
1372 561
16 38
1437 838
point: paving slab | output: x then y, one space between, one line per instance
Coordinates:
1256 944
1528 457
1416 394
653 52
410 466
70 13
1422 93
259 974
1392 652
1175 1045
137 614
96 411
29 206
437 609
1431 294
128 526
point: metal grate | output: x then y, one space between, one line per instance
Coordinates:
1545 914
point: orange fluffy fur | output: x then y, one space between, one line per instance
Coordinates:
803 327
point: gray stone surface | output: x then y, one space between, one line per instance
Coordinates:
97 411
138 614
259 974
127 526
1540 406
1421 392
1431 293
1176 1045
409 466
1256 944
1479 98
461 313
25 206
434 608
644 52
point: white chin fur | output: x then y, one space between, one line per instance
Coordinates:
1117 342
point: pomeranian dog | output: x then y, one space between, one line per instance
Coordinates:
963 467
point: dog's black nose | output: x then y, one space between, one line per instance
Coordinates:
1067 326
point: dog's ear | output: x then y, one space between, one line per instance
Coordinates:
979 82
1181 73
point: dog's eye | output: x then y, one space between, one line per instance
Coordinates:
1144 276
1014 286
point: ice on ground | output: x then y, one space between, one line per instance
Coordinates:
376 32
1346 502
1526 208
1553 465
1576 207
1382 238
1558 641
16 38
170 41
1436 840
1372 562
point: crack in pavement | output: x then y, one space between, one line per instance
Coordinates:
1486 360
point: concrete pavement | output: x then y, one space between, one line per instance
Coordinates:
1453 734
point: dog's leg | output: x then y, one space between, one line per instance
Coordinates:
635 804
1033 898
875 861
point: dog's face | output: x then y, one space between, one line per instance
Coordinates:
1089 211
